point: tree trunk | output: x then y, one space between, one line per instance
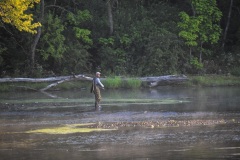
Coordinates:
200 56
37 37
110 17
227 25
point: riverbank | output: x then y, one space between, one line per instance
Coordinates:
118 82
213 80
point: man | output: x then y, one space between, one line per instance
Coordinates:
96 85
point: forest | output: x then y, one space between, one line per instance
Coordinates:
122 37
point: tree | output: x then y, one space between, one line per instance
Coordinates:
190 28
202 26
37 36
110 4
228 23
13 12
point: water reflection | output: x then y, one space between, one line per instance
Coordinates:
216 141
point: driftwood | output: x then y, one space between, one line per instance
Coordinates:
49 79
164 80
151 81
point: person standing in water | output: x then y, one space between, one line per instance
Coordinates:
96 85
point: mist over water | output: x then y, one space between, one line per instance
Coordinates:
149 107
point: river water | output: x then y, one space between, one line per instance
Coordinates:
164 123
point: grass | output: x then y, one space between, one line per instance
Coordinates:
132 83
117 82
214 80
113 83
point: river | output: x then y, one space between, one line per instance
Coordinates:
164 123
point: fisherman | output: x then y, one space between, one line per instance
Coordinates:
96 85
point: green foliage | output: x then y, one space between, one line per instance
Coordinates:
113 58
78 17
203 26
76 59
115 82
83 34
125 40
106 41
143 44
196 64
190 28
75 20
53 40
209 15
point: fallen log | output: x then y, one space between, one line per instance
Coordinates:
164 80
49 79
151 81
68 78
56 80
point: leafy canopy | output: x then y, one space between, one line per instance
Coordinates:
13 12
203 25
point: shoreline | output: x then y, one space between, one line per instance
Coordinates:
194 81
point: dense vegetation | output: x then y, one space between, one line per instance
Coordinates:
122 37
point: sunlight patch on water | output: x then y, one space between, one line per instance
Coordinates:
68 129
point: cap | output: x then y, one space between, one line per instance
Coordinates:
98 73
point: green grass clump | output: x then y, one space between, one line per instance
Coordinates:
132 83
114 82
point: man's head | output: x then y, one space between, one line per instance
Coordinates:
98 74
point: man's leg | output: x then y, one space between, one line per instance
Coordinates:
97 97
96 101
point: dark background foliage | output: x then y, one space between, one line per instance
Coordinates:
141 39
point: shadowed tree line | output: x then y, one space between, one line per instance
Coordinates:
120 37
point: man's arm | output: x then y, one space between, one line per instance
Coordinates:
98 82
